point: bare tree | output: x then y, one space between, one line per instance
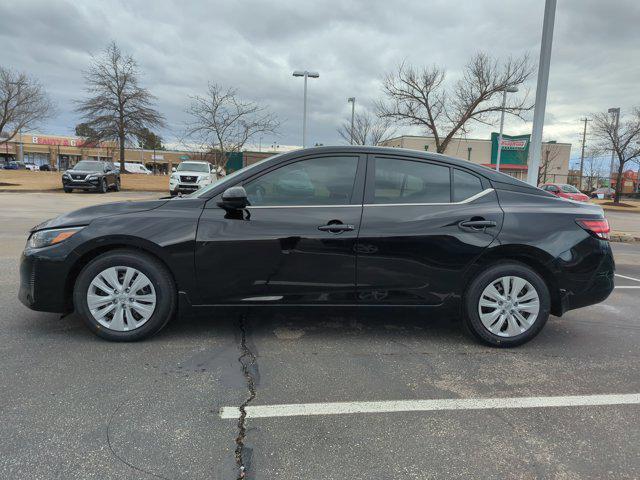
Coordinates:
117 107
367 129
550 151
592 168
623 141
23 104
420 97
222 123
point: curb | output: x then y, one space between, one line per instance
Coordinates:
624 237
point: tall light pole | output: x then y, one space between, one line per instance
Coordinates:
584 142
504 102
352 101
306 74
541 91
616 113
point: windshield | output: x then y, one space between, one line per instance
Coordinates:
569 189
88 165
228 178
193 167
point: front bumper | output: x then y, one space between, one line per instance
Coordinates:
41 287
83 184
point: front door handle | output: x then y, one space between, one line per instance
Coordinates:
478 224
336 227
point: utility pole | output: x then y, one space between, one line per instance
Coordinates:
541 91
352 101
616 112
584 142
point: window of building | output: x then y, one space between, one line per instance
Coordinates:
465 185
407 181
317 181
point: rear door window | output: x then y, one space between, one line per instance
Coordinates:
465 185
407 181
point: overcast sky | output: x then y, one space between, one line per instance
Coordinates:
255 45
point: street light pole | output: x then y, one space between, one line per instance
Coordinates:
504 102
616 112
541 91
352 100
306 74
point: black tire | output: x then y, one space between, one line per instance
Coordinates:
116 187
156 272
68 190
480 282
103 186
172 193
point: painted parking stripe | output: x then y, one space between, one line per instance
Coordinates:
347 408
627 286
628 278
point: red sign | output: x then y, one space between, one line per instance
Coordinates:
63 142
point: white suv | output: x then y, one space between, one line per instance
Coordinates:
191 175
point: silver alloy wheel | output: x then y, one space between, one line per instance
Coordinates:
121 298
509 306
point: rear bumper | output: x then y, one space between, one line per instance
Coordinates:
586 275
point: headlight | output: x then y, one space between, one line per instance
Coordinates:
65 175
92 177
174 176
44 238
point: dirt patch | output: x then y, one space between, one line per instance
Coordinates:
621 204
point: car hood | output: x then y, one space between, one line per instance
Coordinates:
84 216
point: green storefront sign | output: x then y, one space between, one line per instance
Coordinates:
515 149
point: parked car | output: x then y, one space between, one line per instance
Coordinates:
45 167
96 175
564 190
364 226
14 166
191 176
31 166
132 167
606 192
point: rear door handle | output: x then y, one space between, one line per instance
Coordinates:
478 224
336 227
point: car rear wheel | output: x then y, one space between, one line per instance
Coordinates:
116 187
68 190
125 295
507 305
103 186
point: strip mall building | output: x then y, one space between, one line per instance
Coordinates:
64 152
513 158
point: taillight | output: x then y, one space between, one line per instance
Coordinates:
600 227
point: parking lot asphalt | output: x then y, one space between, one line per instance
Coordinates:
75 406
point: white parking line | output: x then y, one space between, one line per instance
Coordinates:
627 286
628 278
343 408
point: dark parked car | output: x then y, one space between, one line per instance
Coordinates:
93 175
329 226
15 166
47 168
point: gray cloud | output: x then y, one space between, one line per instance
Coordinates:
255 45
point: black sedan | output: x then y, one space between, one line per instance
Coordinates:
91 175
324 227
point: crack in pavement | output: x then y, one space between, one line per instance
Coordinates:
247 359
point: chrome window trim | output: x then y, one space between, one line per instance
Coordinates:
462 202
359 205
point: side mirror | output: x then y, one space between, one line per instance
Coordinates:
173 170
234 198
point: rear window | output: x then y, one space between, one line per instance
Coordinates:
569 189
465 185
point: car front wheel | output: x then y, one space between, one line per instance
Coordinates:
103 186
125 295
507 305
